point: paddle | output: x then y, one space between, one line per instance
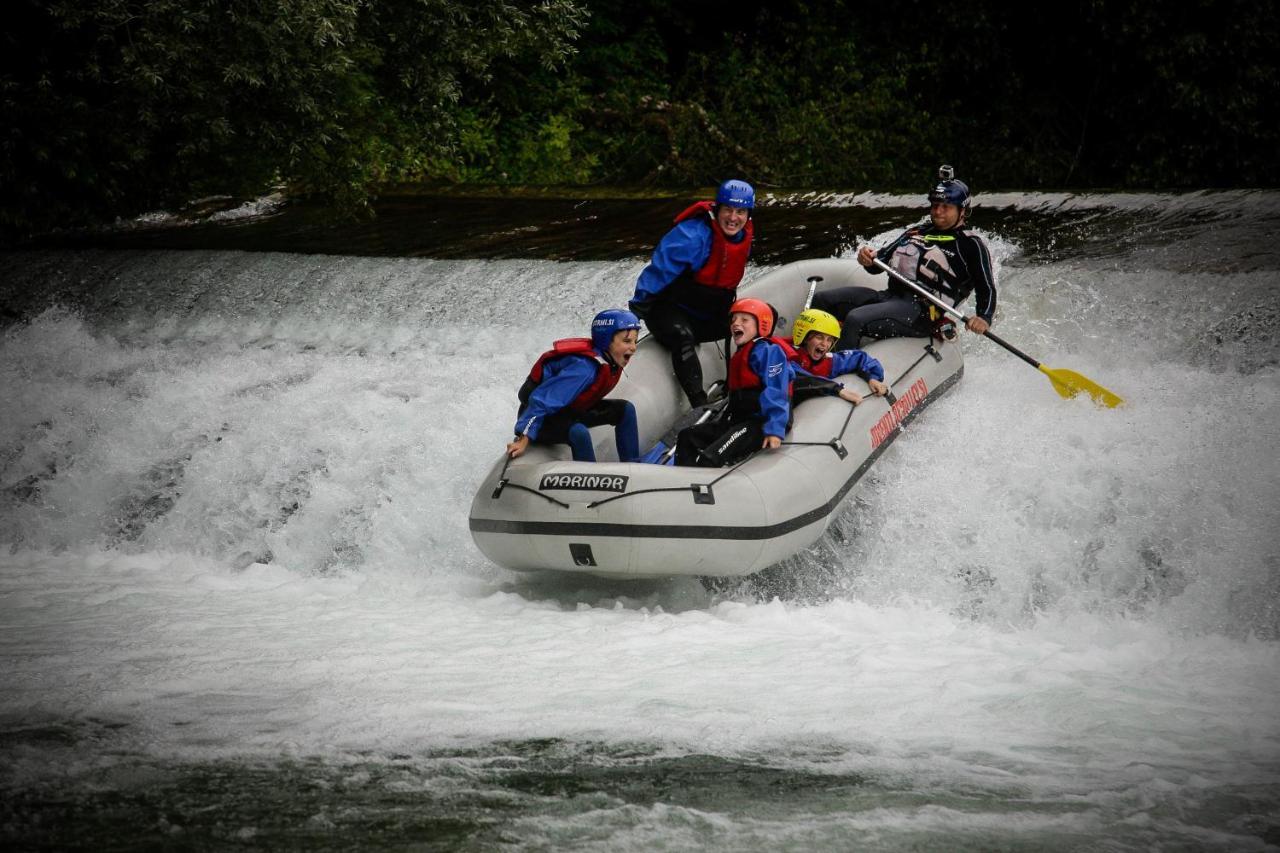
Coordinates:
814 281
702 417
1067 383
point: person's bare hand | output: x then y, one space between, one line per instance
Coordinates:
850 395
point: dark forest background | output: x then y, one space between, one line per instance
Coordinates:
116 107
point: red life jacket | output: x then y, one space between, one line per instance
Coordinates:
727 261
607 373
741 376
821 367
744 383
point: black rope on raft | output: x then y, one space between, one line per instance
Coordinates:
558 503
702 489
693 486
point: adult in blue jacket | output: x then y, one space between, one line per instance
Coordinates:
563 396
684 294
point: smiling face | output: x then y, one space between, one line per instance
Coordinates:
732 219
817 345
623 346
743 327
944 215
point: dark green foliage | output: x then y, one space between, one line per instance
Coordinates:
838 93
120 106
114 107
1095 93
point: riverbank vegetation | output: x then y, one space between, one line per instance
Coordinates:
116 107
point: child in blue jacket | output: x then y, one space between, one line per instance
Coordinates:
758 412
563 397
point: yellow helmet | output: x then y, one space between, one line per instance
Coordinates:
813 320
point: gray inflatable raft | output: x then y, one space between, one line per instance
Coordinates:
634 520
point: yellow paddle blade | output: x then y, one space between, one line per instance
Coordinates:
1068 383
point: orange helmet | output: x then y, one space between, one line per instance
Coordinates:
758 308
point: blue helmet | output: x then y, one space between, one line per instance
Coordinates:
736 193
950 189
608 323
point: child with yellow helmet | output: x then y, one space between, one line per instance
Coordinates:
813 335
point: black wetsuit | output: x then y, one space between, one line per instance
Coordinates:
952 262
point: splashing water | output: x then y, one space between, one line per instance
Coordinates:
235 491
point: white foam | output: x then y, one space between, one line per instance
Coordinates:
1217 201
1040 594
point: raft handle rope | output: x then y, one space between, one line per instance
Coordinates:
713 410
540 494
835 443
502 480
702 492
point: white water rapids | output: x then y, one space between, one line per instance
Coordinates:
235 491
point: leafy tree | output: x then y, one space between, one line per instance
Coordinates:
114 107
119 106
1093 93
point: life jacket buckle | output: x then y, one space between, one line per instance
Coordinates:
944 328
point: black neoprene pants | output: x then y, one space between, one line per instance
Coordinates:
712 444
863 311
680 332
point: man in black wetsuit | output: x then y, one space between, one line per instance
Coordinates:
943 256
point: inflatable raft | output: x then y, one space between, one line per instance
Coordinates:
635 520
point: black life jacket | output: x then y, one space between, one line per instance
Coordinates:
925 257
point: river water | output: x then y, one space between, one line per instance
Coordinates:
240 606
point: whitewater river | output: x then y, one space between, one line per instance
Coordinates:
240 606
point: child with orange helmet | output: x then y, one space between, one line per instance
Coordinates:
757 413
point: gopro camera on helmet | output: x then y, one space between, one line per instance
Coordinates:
949 189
